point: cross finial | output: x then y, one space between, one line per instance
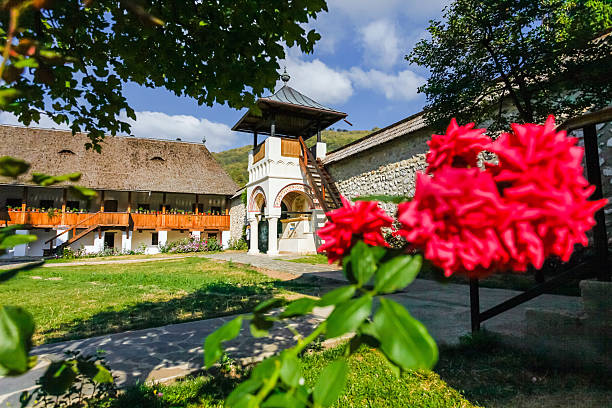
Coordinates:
285 76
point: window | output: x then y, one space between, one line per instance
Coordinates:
13 202
215 210
66 152
46 203
73 204
200 208
143 207
157 158
154 238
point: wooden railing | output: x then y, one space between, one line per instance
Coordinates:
194 222
259 152
290 148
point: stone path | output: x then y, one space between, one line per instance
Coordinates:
163 353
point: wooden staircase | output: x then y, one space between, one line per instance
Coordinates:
75 236
319 179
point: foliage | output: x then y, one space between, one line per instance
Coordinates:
536 55
235 161
71 382
384 198
70 253
237 245
404 342
71 58
190 244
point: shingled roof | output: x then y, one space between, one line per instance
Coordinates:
125 164
391 132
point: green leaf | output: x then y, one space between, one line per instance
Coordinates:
260 325
264 369
397 273
16 329
26 63
290 371
363 262
212 344
299 307
283 400
242 394
16 239
348 316
82 193
47 180
268 305
12 167
337 296
58 378
403 339
331 383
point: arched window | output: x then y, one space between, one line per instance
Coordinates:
65 152
157 158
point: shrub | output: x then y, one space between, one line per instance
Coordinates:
213 245
237 244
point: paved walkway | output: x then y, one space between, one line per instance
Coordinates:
176 350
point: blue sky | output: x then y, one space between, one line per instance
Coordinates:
358 67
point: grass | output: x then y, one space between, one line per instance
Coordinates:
70 302
478 372
311 259
370 384
493 375
115 257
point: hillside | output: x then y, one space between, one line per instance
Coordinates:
235 161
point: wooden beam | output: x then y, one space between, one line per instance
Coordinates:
254 139
64 199
129 206
164 203
197 211
102 201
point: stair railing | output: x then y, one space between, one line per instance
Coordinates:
72 228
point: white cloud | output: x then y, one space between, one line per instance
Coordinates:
7 118
401 86
159 125
382 44
317 81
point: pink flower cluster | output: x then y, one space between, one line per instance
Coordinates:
530 205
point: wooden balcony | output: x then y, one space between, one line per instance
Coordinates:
193 222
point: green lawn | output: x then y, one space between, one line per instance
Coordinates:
370 384
81 301
311 259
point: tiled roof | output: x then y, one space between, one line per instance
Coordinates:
401 128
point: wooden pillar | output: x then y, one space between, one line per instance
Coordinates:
474 305
227 205
318 132
102 201
591 152
129 206
254 139
273 126
197 211
64 199
24 199
164 203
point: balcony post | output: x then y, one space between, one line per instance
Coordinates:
254 139
24 199
273 126
164 203
197 211
64 199
129 205
102 201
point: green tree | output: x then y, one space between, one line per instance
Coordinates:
503 61
83 52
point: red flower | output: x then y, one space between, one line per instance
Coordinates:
455 217
531 205
350 223
542 169
459 147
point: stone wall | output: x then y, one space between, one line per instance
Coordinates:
237 218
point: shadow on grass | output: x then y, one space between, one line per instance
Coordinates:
212 300
491 374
